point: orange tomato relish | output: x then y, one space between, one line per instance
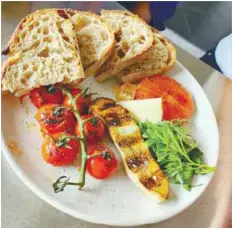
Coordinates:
177 101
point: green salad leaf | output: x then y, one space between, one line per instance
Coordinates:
175 150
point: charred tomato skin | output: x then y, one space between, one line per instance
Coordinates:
59 155
94 129
101 166
82 102
45 95
55 118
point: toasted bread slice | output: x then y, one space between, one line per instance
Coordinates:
43 50
157 59
95 39
132 35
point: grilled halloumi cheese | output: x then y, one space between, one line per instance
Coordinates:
141 168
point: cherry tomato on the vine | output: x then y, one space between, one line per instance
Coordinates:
94 129
55 118
60 149
102 162
83 102
46 95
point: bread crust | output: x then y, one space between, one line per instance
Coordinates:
14 52
106 53
115 68
8 48
14 49
135 77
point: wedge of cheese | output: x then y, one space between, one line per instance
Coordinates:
147 109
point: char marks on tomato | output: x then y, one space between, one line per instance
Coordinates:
53 121
60 150
82 102
46 95
94 129
102 162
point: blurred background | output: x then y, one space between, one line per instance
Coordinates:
207 26
202 23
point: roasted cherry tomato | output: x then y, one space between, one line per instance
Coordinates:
55 118
45 95
82 102
59 149
102 162
93 129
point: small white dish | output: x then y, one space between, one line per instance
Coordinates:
223 55
116 201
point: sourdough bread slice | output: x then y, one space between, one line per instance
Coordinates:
132 35
157 59
43 50
95 39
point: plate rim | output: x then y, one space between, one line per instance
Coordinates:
93 219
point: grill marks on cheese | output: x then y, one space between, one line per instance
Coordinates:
135 153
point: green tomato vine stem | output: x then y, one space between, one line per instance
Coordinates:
84 154
81 130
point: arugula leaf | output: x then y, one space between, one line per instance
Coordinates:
196 155
175 150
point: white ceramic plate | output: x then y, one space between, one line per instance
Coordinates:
116 201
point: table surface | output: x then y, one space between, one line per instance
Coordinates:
22 209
